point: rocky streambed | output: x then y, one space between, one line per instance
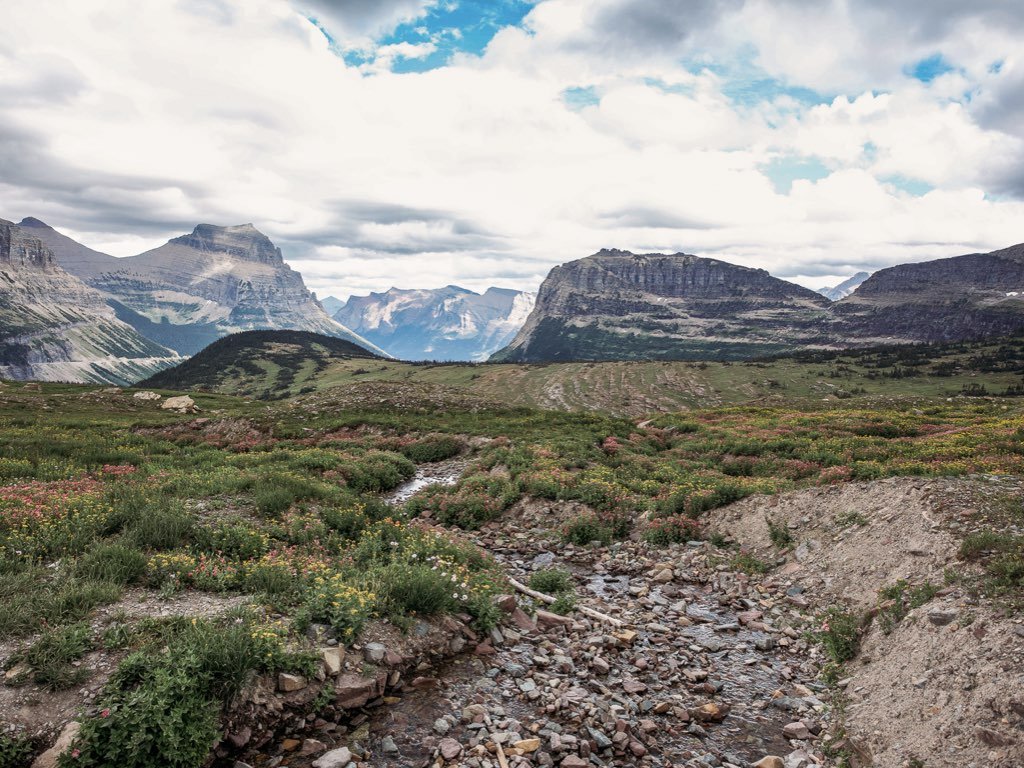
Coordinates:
706 670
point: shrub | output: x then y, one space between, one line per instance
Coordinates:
420 589
748 563
586 529
551 581
15 751
275 492
676 529
331 600
236 539
564 604
377 471
166 720
348 521
839 634
116 563
433 448
74 599
779 533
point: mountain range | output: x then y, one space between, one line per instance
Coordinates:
199 287
617 305
449 323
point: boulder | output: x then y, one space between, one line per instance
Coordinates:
181 404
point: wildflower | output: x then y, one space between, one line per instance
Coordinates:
105 712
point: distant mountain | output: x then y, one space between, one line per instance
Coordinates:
450 323
53 327
845 288
199 287
331 305
617 305
259 363
975 296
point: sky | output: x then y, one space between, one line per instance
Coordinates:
420 143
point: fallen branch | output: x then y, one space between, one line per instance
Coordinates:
548 599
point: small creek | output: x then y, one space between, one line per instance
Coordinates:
438 473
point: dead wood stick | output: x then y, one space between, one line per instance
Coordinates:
582 609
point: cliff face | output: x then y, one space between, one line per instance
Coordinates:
964 297
448 323
201 286
54 327
615 305
620 305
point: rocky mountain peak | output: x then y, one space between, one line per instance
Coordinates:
22 251
242 241
33 223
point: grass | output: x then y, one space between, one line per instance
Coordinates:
51 657
899 598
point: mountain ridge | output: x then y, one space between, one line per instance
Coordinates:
616 305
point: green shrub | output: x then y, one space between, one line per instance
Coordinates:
748 563
377 471
898 599
116 563
332 600
403 589
552 581
779 533
564 604
166 721
74 599
236 539
348 521
676 529
275 492
839 634
433 448
586 529
15 751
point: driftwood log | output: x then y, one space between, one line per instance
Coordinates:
548 599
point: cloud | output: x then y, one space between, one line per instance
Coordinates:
362 19
127 126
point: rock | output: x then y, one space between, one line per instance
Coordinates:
600 666
336 758
663 577
333 658
506 603
287 682
574 761
527 745
147 396
181 404
49 758
312 747
627 636
388 745
240 738
941 618
633 686
710 712
771 761
442 726
290 745
352 691
374 652
17 673
796 730
450 749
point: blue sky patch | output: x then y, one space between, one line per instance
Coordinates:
911 186
783 171
928 69
580 97
466 26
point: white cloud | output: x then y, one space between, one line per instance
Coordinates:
140 123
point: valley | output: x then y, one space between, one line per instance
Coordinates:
714 572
